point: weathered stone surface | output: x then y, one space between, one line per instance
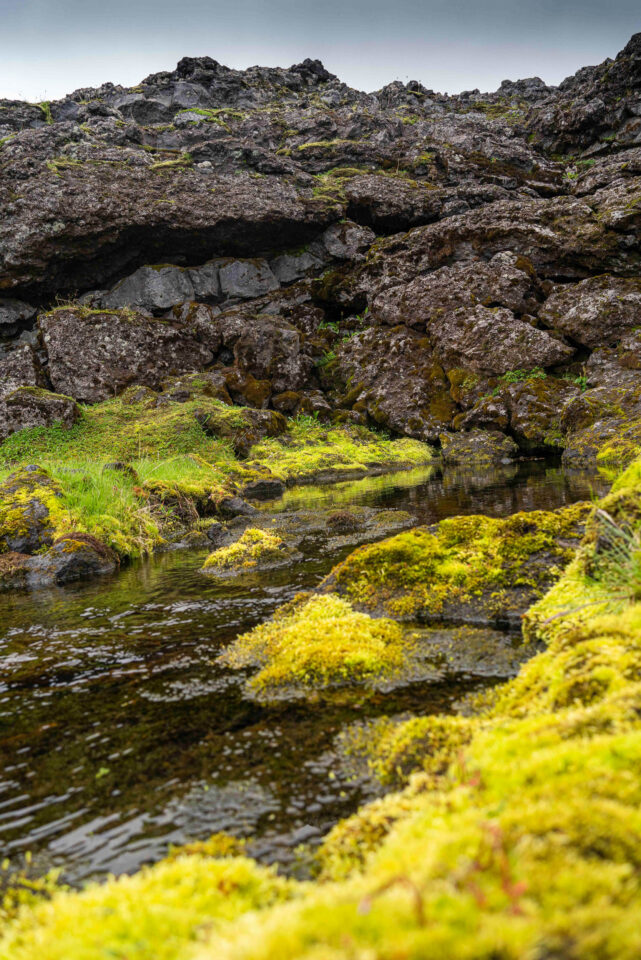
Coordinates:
29 407
530 409
390 204
264 489
152 289
348 241
396 379
289 267
493 257
477 448
19 368
77 556
493 341
507 280
594 312
94 355
246 278
13 315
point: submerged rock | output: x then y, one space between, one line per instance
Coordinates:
318 645
255 550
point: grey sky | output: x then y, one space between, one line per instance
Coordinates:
51 47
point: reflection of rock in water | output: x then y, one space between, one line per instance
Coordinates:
473 651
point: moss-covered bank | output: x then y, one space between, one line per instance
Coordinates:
135 471
517 835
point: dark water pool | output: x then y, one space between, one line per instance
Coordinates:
119 734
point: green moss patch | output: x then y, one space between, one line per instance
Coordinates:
313 449
319 643
157 914
471 569
256 548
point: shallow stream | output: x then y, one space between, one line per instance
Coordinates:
119 734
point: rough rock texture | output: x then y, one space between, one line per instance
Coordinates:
77 556
477 448
19 368
94 355
595 312
29 407
423 262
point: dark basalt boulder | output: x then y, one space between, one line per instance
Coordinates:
394 376
595 312
14 314
19 368
477 448
507 280
96 354
29 407
529 408
76 556
152 289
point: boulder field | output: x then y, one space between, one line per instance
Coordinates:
430 264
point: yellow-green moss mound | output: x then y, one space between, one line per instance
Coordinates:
472 568
318 643
255 548
161 913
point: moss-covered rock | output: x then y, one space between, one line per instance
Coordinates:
255 550
319 643
477 448
466 570
29 502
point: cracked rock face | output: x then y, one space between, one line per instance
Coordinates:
402 258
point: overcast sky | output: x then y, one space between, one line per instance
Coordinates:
50 47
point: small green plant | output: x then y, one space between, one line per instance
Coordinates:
45 106
519 376
617 563
328 357
328 325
